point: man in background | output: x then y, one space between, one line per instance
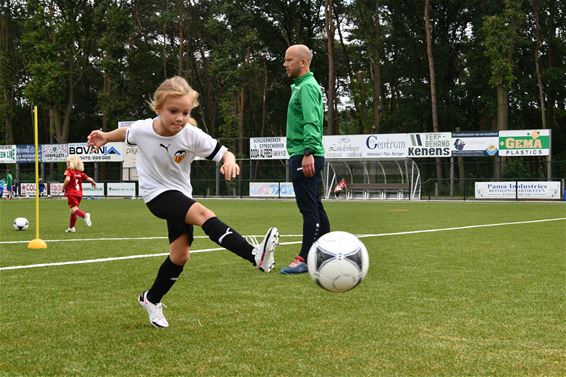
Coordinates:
305 118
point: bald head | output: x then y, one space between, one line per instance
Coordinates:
302 52
297 60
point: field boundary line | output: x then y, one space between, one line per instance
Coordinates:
127 239
460 228
111 259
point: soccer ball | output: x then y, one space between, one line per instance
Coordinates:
338 261
21 223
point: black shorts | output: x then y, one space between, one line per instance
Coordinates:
173 207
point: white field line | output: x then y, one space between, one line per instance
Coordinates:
100 260
121 239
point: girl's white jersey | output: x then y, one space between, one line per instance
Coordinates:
164 163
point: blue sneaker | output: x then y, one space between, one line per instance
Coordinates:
298 266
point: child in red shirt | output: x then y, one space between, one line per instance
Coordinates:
73 188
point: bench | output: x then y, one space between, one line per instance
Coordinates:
367 189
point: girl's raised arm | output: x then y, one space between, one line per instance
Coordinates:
98 138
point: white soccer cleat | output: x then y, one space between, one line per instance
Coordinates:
264 252
155 312
70 230
88 221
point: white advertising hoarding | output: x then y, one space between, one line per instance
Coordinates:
121 189
8 154
111 152
520 190
54 152
27 189
55 189
336 147
431 144
272 189
88 190
268 148
130 154
368 146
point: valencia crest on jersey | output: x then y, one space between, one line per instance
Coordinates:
180 156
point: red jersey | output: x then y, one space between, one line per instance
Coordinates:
75 186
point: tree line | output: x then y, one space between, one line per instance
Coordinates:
386 66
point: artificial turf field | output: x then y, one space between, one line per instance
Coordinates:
453 289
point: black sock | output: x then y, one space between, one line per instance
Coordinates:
167 275
228 238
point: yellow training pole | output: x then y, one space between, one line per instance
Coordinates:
37 243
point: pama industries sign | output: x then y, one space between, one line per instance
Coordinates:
524 143
518 190
110 152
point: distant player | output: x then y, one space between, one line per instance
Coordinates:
341 187
9 185
41 187
73 189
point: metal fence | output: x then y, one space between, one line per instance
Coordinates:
456 182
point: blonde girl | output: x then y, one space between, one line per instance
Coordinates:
73 189
167 145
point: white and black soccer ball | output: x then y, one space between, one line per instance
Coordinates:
21 223
338 261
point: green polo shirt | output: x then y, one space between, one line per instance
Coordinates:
305 117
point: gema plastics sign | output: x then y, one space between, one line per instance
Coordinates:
524 143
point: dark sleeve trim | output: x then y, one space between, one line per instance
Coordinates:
127 142
214 152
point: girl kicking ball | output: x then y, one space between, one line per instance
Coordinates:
167 145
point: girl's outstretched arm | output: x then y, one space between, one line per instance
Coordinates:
98 138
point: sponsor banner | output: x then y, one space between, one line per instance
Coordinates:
126 123
431 144
88 190
54 152
129 172
55 189
337 147
110 152
121 189
130 154
26 153
520 190
524 143
475 143
381 146
27 189
268 148
8 154
272 189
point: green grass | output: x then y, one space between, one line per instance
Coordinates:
485 301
